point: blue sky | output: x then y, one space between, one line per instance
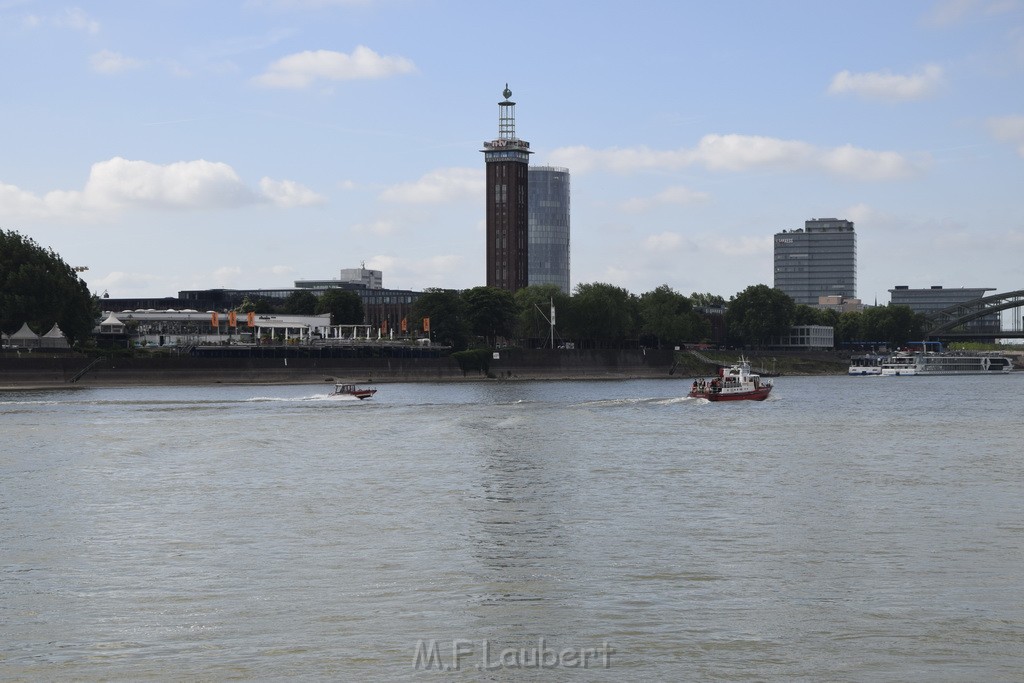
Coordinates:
173 145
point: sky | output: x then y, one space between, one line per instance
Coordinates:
169 145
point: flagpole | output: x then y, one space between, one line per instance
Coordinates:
552 301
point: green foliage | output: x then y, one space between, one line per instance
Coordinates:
38 287
445 308
759 313
894 325
706 299
533 304
261 305
490 313
848 327
603 312
345 307
300 302
669 318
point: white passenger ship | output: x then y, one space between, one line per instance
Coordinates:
866 365
904 364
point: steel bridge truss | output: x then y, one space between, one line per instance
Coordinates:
947 321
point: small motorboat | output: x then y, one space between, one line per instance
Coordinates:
734 383
353 390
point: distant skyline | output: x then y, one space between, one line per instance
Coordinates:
252 143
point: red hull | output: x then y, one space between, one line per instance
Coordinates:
758 394
367 393
350 390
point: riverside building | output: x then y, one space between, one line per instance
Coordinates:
819 260
936 298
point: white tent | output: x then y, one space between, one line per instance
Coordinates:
111 325
54 339
24 337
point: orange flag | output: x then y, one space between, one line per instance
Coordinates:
232 319
426 324
250 318
214 322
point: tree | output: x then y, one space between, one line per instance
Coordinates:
706 299
300 302
445 308
848 327
533 305
261 305
345 307
903 325
759 313
490 312
668 317
38 287
805 315
603 312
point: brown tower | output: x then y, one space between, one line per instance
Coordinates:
508 182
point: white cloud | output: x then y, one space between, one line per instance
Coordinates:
288 194
72 18
883 85
742 153
663 242
950 12
442 185
410 273
77 20
302 69
107 62
181 185
672 195
1008 129
381 228
119 183
865 164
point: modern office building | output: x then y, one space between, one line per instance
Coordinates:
549 227
818 260
507 160
936 298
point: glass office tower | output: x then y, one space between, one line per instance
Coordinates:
549 226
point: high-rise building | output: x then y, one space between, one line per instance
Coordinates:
818 260
549 226
507 160
936 298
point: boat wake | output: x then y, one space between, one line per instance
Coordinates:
630 402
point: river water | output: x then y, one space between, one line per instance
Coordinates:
846 529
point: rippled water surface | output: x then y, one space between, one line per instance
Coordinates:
846 529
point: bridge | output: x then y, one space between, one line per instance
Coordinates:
952 322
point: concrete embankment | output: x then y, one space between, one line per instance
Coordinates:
39 370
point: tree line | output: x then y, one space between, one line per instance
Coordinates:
601 315
38 287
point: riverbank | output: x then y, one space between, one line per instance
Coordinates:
42 371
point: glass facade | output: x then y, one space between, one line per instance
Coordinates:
819 260
936 298
549 227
